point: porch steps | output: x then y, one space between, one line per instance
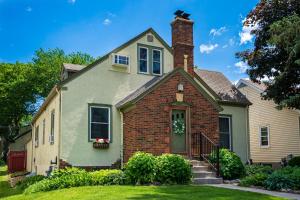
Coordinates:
203 174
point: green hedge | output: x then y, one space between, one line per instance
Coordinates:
28 181
254 180
231 166
74 177
294 162
172 169
140 168
258 169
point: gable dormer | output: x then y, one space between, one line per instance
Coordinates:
146 54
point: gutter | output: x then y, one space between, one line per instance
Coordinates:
59 129
122 142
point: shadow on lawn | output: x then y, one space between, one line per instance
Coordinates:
5 189
192 193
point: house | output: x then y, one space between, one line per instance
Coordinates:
274 134
132 97
17 150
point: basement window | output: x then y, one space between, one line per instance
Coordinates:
99 122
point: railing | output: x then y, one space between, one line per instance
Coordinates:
205 149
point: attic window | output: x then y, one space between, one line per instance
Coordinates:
149 38
120 59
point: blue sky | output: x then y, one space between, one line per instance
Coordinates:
97 26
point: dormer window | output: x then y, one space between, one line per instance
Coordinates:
120 60
150 60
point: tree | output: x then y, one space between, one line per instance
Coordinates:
49 63
276 50
22 85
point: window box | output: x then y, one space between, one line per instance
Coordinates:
98 145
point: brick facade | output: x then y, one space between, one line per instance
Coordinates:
147 126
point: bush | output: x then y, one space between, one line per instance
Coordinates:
294 162
64 178
279 180
258 169
2 163
108 177
25 183
231 165
254 180
140 168
172 169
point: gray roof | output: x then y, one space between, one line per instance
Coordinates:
73 67
222 86
139 91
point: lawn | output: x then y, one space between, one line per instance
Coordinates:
5 189
130 192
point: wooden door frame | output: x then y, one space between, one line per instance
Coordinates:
187 129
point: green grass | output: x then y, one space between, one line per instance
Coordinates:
5 189
188 192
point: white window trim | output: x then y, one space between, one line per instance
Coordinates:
259 130
160 62
44 131
52 131
118 64
90 121
142 47
230 130
36 136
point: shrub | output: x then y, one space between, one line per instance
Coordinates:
108 177
2 163
231 165
64 178
140 168
254 180
172 169
279 180
25 183
258 169
294 162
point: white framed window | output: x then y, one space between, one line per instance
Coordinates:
156 62
143 58
264 136
99 122
51 138
225 132
119 59
44 131
36 137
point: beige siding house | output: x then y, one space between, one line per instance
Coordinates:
88 104
274 133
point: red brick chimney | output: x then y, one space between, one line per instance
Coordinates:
182 41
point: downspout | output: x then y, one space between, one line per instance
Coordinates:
32 129
121 150
59 129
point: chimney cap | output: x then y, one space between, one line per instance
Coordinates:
182 14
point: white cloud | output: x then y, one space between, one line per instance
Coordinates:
217 32
231 42
107 22
207 48
242 66
72 1
28 9
224 46
245 34
110 14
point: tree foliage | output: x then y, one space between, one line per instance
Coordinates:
276 51
23 85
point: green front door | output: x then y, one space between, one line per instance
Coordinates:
178 135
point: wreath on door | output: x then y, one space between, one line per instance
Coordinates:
178 127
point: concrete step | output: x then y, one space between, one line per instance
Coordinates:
204 174
200 168
207 180
198 163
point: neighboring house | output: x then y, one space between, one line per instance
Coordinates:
131 97
17 154
274 134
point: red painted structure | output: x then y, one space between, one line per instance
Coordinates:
16 161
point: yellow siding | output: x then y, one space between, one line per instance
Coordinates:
284 129
44 153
